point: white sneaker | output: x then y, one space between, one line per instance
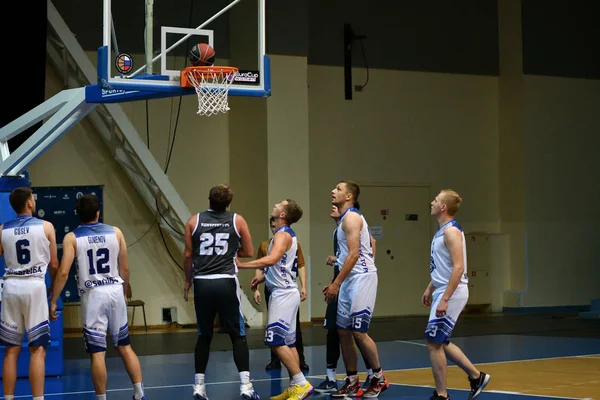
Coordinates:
200 392
247 392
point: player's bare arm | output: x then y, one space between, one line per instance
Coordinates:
53 266
453 241
373 245
69 247
123 260
282 241
187 255
246 249
351 225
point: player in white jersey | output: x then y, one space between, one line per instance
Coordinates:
356 290
29 248
102 278
280 270
447 294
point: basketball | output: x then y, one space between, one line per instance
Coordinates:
202 54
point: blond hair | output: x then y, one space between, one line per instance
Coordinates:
452 200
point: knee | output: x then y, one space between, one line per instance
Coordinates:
359 337
434 346
37 351
122 350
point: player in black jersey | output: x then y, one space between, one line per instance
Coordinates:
213 238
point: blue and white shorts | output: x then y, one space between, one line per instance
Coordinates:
356 301
24 309
440 329
281 318
103 309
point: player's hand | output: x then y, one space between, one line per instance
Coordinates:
330 260
186 290
426 298
257 296
52 312
254 283
441 309
331 291
303 294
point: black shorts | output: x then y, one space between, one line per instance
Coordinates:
218 296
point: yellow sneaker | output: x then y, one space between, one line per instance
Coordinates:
283 396
301 392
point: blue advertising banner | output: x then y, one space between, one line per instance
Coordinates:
56 204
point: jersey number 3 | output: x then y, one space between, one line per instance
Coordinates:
217 244
102 261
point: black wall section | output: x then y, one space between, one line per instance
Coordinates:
459 36
561 38
24 63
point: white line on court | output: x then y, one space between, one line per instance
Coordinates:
409 342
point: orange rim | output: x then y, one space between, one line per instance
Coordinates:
208 71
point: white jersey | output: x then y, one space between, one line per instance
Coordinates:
440 266
97 256
282 275
366 260
26 248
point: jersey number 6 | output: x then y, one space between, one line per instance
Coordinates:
23 254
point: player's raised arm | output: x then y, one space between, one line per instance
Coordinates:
282 242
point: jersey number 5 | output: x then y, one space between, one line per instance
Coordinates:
23 253
217 244
102 261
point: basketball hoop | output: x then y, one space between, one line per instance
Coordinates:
212 85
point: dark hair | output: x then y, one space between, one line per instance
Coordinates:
293 212
352 188
220 197
271 220
357 205
87 207
18 198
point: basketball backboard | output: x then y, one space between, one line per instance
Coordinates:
126 74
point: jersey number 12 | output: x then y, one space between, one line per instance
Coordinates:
102 261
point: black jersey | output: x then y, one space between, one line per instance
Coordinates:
215 243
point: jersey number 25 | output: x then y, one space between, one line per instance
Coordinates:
217 244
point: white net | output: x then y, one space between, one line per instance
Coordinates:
212 87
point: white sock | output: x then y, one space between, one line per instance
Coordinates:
9 397
138 390
245 377
199 379
331 374
101 396
298 379
35 398
369 371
